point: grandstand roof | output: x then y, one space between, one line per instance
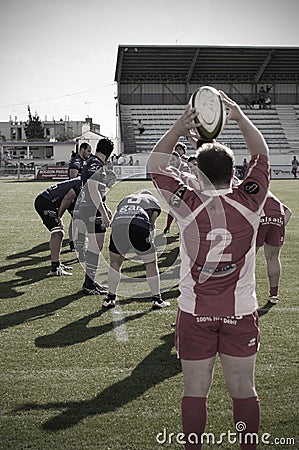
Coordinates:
193 64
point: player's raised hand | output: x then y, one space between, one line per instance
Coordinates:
234 110
184 125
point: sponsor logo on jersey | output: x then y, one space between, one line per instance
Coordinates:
266 220
251 187
176 198
219 271
251 342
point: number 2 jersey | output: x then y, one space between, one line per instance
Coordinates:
217 240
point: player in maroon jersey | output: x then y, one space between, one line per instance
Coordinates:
271 235
217 302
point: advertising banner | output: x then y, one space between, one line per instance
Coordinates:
281 172
132 172
52 173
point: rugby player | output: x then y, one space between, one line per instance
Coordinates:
74 170
217 302
131 230
94 212
271 234
51 205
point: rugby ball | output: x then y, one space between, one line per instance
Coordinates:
211 112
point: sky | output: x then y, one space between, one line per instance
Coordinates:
59 56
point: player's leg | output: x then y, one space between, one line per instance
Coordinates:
95 245
238 373
55 243
153 279
114 274
197 377
48 213
272 255
168 223
196 344
238 346
71 241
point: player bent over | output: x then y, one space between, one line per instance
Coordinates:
50 205
132 226
217 305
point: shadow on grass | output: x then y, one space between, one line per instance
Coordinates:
158 366
166 259
265 309
79 331
30 274
22 278
37 312
44 247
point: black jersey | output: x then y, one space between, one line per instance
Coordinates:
56 192
94 168
76 163
138 207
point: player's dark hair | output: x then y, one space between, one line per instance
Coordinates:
180 145
84 145
105 146
202 141
192 158
216 161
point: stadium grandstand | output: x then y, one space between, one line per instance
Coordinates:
155 83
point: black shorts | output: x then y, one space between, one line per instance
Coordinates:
48 212
130 237
91 217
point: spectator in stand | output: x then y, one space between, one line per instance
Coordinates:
131 161
74 170
51 204
244 167
271 234
217 302
294 166
141 128
121 160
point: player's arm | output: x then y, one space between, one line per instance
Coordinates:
254 139
92 186
66 202
183 126
153 218
73 173
287 214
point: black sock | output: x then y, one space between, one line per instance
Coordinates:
54 265
111 296
157 298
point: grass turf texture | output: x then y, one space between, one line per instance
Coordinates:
73 377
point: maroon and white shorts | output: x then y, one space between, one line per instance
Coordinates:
201 337
272 233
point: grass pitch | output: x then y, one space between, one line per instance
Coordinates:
74 377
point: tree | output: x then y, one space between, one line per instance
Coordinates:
34 128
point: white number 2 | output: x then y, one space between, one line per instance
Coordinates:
216 252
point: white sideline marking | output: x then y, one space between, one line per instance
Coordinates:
128 312
119 324
120 327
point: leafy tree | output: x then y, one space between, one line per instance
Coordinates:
34 129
